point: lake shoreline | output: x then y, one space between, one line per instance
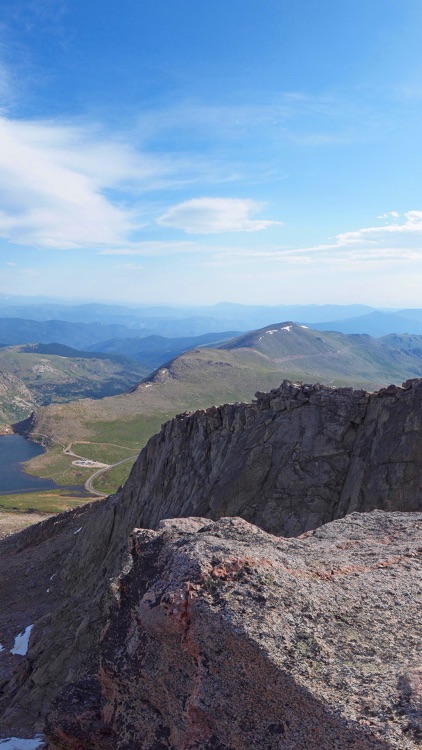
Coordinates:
15 450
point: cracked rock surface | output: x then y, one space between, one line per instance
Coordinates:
227 637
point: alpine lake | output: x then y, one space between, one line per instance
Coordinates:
14 450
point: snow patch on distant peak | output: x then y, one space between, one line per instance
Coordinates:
286 328
78 530
304 327
273 330
21 642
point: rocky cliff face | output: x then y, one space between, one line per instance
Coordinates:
298 458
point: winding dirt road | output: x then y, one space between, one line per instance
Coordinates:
67 450
88 483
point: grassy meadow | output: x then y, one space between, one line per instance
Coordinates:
46 501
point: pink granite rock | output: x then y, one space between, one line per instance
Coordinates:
228 638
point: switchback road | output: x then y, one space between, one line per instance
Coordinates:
88 483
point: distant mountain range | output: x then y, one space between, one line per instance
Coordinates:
154 351
233 371
157 318
376 323
93 326
258 359
77 335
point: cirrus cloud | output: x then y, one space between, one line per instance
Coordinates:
70 186
391 244
53 180
215 216
405 234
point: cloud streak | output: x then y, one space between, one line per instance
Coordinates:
291 117
156 248
394 243
215 216
405 235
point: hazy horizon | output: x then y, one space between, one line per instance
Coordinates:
162 153
72 300
56 299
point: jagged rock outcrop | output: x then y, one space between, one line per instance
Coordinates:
228 638
301 456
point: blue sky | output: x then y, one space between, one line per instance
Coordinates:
193 152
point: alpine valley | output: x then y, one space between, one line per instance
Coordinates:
229 372
243 584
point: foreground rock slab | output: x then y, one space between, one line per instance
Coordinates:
220 636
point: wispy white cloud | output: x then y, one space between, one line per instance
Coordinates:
215 215
398 236
66 186
52 179
298 117
394 243
156 248
389 215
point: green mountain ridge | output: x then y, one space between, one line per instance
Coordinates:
335 358
32 376
61 350
234 371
